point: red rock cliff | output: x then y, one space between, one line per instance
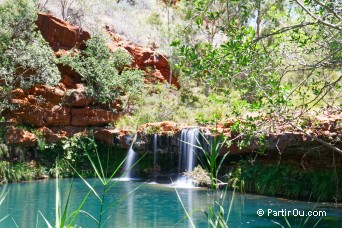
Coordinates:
66 107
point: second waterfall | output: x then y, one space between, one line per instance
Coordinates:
188 153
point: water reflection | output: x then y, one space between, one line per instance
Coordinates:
130 206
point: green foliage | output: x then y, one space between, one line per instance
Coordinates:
21 171
150 130
73 147
212 160
154 19
25 57
285 180
4 152
151 106
269 53
103 71
23 50
41 142
103 175
250 133
188 105
72 152
221 65
29 62
17 20
66 153
69 151
216 215
2 129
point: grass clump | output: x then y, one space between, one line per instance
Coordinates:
286 180
21 171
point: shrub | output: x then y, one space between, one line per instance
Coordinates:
154 19
22 171
103 71
25 57
4 153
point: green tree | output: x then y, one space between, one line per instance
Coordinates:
282 57
103 71
25 57
271 51
225 56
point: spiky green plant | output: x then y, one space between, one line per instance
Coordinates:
216 215
212 161
106 182
63 219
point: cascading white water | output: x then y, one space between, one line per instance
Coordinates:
130 160
187 156
155 147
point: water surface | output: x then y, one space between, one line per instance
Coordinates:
151 205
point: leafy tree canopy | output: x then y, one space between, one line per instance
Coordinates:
279 55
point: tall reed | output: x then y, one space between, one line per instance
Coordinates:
211 161
63 219
3 195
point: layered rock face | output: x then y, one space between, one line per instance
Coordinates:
65 109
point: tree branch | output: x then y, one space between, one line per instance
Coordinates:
318 139
316 18
282 30
329 9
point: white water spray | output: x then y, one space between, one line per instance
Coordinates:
187 156
132 157
155 148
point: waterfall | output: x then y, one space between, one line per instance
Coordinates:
187 155
132 157
187 149
155 148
